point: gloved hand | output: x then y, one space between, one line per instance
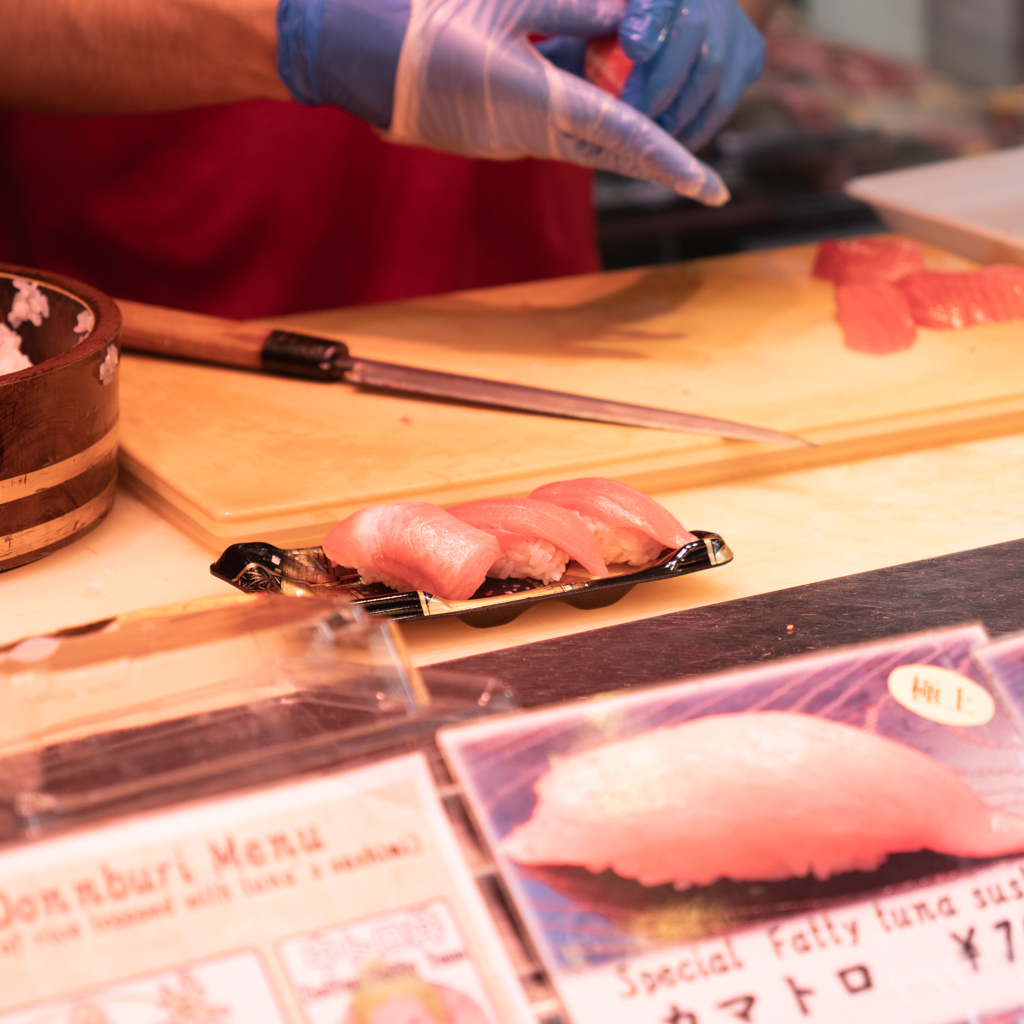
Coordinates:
342 52
693 59
461 76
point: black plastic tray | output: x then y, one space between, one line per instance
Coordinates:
257 568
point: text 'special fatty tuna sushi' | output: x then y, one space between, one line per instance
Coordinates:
537 539
866 260
627 525
755 796
413 546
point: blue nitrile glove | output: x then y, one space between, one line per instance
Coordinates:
693 59
566 52
461 76
342 52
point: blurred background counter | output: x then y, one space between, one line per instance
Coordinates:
851 87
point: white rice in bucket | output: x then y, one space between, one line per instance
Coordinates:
530 558
12 359
621 543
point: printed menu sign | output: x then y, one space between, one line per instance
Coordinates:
416 952
940 953
343 898
837 837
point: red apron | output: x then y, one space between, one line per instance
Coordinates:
266 208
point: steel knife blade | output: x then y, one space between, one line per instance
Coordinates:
252 346
480 390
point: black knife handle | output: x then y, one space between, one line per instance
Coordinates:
302 355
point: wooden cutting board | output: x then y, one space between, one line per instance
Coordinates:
230 455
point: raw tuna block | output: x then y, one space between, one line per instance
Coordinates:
875 318
942 300
866 260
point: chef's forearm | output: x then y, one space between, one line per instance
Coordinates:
134 56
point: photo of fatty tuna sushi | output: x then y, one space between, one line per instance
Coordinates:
689 810
813 797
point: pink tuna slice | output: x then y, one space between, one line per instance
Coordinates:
618 505
755 796
875 318
866 260
417 543
510 519
948 300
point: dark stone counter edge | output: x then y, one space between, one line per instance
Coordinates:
983 584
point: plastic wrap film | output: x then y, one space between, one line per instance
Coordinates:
143 711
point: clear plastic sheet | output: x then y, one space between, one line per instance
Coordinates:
143 712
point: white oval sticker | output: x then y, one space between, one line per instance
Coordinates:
941 695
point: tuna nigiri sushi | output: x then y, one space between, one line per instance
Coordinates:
627 525
755 796
537 539
12 359
413 546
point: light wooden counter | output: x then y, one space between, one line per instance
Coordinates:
785 530
752 336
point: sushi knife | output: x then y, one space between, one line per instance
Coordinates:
181 335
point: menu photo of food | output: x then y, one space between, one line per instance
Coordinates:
335 898
827 837
225 990
410 967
